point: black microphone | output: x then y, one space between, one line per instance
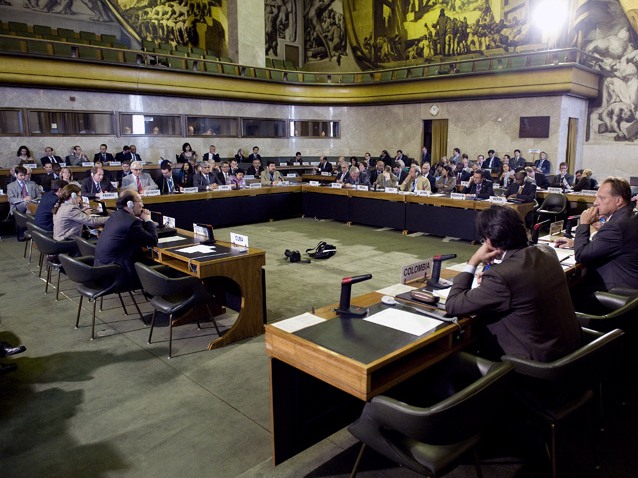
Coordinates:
536 230
346 292
569 224
436 282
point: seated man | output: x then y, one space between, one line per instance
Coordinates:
426 172
95 184
271 177
205 180
480 187
521 190
539 178
21 191
377 171
77 157
356 178
256 169
611 255
127 231
414 181
126 171
563 179
138 181
224 177
344 174
542 163
49 175
523 301
386 179
325 166
168 180
44 213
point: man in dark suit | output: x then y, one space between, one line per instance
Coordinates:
563 179
480 187
521 190
343 176
50 157
461 173
492 162
127 231
400 172
212 154
44 214
95 183
256 169
325 166
255 154
205 180
122 155
426 172
611 255
234 167
132 154
542 163
517 161
125 171
537 177
224 176
49 175
378 170
425 156
103 155
522 302
168 181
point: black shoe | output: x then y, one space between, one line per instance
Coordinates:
7 349
7 367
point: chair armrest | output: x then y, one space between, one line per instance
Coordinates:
612 301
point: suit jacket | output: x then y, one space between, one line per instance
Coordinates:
584 183
362 180
267 179
208 157
98 157
524 302
401 176
253 156
446 185
14 194
541 180
374 174
90 191
344 177
496 164
432 180
527 195
132 157
69 221
45 180
558 180
251 171
487 189
545 167
129 182
121 243
162 184
514 163
422 184
325 167
120 176
73 160
234 171
121 156
611 256
202 181
46 160
464 175
382 182
222 180
44 214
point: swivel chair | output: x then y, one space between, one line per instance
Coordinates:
553 391
51 248
94 282
619 306
85 247
21 220
433 440
30 228
173 296
554 207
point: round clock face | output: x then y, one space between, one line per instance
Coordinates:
434 110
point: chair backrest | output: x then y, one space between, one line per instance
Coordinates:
82 271
48 245
85 247
555 202
32 227
21 219
157 284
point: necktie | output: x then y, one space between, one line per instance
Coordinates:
52 160
23 188
140 189
478 188
103 157
225 178
520 190
206 178
170 185
413 185
272 177
98 188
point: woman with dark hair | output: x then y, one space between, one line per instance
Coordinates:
188 155
69 216
584 180
522 298
24 157
185 175
446 182
386 158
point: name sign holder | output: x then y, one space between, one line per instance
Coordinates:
418 270
422 192
190 190
326 173
589 192
238 239
391 190
362 187
336 185
151 192
87 164
291 175
313 183
255 185
555 190
225 187
498 200
108 196
115 163
457 196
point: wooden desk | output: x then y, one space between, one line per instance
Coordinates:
316 391
245 269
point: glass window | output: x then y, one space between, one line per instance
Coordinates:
212 126
11 122
150 125
263 128
70 123
315 129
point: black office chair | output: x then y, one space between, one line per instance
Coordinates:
553 391
95 282
50 248
554 206
30 228
86 248
433 440
173 296
619 311
21 220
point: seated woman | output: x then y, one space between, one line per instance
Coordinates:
446 182
68 216
507 176
238 181
185 176
24 157
188 155
67 175
584 180
386 179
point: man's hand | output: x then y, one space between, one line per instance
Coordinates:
484 254
564 243
145 215
589 216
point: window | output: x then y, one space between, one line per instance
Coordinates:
315 129
150 125
47 123
11 122
263 128
212 126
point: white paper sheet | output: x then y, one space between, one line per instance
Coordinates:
197 248
396 289
408 322
298 322
163 240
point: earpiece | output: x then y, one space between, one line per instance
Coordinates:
74 196
130 204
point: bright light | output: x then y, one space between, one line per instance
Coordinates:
550 16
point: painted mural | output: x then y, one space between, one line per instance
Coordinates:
324 31
281 24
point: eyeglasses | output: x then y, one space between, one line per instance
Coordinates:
205 167
137 169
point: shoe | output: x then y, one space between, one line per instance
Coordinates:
7 349
7 367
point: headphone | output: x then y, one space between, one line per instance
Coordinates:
130 205
74 196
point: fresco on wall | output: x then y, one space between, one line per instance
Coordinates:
30 10
281 23
391 31
324 30
612 36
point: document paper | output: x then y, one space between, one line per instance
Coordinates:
404 321
298 322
